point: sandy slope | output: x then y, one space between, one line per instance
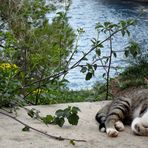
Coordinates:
11 135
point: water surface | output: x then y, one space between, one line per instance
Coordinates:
86 13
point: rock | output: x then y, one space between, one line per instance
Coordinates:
87 129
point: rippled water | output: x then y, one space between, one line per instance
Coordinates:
86 13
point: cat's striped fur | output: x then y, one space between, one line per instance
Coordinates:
131 109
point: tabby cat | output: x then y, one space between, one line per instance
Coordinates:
131 109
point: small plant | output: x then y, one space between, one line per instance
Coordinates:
110 30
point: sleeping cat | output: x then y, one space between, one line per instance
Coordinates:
130 109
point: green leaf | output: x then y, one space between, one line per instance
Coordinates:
104 74
100 45
89 66
123 23
123 32
94 41
131 22
115 55
88 76
80 30
106 24
107 59
133 49
31 113
48 119
128 33
84 69
75 109
126 53
85 59
98 25
26 129
59 121
98 52
66 112
72 142
59 113
95 66
73 119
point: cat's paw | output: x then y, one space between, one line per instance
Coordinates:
136 125
102 129
111 132
119 126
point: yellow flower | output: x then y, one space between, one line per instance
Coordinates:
39 91
15 66
7 66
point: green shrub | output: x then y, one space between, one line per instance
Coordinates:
9 84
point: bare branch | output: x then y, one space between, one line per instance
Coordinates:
103 66
109 66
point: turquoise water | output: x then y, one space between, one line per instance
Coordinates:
86 13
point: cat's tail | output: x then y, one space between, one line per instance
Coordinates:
100 118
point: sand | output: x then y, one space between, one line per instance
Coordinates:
11 135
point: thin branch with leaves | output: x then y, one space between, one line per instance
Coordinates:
39 131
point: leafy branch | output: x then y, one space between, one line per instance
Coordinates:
76 64
27 127
109 67
107 28
69 113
